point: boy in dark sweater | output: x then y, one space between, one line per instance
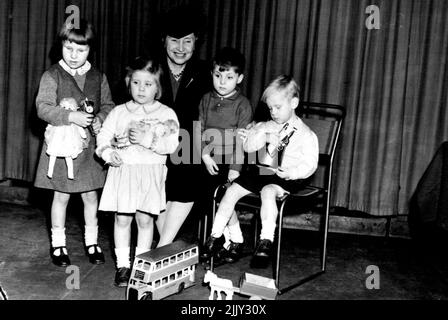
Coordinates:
222 112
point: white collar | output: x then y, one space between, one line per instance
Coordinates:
133 107
81 70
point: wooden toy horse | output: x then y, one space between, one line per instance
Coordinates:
219 286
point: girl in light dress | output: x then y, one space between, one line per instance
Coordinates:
135 140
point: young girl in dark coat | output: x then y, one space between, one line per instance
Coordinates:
74 77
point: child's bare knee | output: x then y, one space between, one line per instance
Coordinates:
61 198
234 192
123 221
144 220
90 197
269 191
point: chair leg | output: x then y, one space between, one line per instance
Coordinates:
323 258
326 226
212 218
279 241
204 230
256 232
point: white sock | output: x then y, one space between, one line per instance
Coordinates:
235 233
140 250
91 236
123 257
218 226
226 234
267 230
58 237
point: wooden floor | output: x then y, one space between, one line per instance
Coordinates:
405 272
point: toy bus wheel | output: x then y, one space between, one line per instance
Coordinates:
181 287
146 296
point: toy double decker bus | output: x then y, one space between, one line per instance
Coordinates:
164 271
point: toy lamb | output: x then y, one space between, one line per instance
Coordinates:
66 141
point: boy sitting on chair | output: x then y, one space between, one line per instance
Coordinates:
299 150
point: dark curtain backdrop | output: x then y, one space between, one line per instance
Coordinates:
392 81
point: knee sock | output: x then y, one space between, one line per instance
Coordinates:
235 233
58 239
267 230
140 250
218 226
91 236
226 234
123 257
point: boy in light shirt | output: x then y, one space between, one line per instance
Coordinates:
299 161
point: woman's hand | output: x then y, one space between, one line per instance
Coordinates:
210 164
80 118
115 159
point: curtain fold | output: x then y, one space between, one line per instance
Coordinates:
392 80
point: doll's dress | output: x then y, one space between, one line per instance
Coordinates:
66 141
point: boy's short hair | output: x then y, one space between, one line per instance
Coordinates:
282 83
84 35
144 63
227 58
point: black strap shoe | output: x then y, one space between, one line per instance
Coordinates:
59 257
122 277
211 247
234 252
97 257
264 248
262 254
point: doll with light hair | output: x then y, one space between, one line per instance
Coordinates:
66 141
155 129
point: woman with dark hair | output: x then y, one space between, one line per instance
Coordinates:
186 79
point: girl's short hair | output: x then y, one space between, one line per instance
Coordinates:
284 83
146 64
84 35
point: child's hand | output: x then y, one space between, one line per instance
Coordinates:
136 135
115 159
242 133
80 118
250 125
233 174
283 173
272 138
96 125
210 164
